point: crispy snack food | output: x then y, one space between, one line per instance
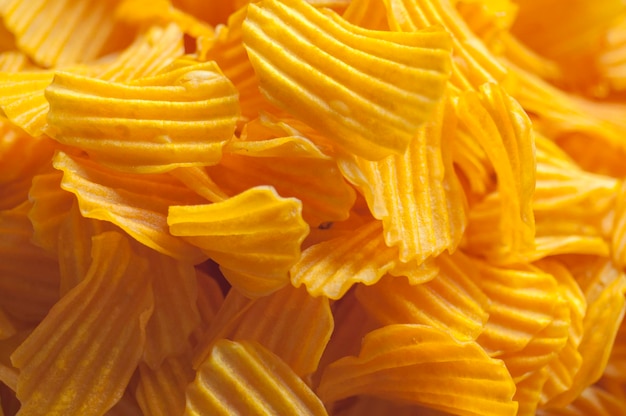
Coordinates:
312 207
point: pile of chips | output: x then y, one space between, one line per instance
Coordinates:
339 207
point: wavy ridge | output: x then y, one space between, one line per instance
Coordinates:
136 203
246 369
417 194
289 322
254 236
327 75
180 118
420 365
59 371
451 302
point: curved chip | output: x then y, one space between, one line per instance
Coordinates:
29 276
496 121
52 41
136 203
178 118
161 392
255 236
451 301
331 267
290 323
335 77
420 365
60 372
235 370
473 64
417 194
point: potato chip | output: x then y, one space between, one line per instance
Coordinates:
255 236
137 204
500 125
53 42
334 80
473 64
289 323
162 391
419 364
417 194
451 301
178 118
59 371
29 277
331 267
236 369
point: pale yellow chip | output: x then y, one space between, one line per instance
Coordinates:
290 323
137 204
178 118
336 77
59 371
451 302
420 364
235 370
254 236
417 194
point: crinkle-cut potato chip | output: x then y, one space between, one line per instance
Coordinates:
245 378
175 314
178 118
604 288
420 364
331 267
161 12
254 236
161 392
592 401
289 323
473 64
227 49
47 29
136 203
336 77
75 234
294 167
61 373
369 14
451 301
22 101
417 194
500 125
338 207
29 277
